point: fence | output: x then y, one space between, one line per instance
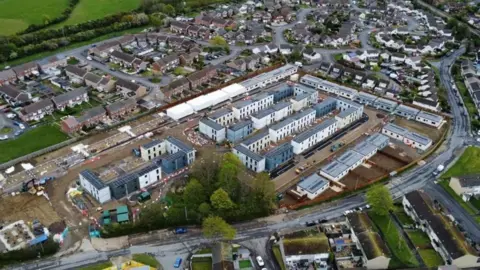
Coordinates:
361 186
38 153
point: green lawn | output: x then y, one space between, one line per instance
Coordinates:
95 9
17 15
431 258
202 264
31 141
99 266
278 256
5 130
245 264
475 203
146 259
467 99
468 163
394 240
402 216
419 238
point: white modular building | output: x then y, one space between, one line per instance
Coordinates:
212 130
152 150
366 149
94 185
334 170
312 186
251 160
263 100
430 119
379 140
234 90
223 117
257 142
365 98
329 87
351 159
180 111
200 103
291 125
348 116
385 104
244 108
300 89
263 118
270 77
417 141
282 110
313 136
300 102
394 131
344 104
406 111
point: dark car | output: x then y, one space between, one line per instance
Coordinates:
310 223
323 220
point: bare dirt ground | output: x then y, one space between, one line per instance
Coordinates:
433 133
27 207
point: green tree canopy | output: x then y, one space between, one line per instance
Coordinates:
218 41
194 194
214 226
380 199
221 201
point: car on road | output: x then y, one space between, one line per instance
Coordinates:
310 223
323 220
177 263
180 230
260 261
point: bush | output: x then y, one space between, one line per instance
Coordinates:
47 248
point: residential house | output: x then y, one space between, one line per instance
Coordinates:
121 108
75 74
203 76
187 59
26 70
126 60
176 87
70 99
7 76
92 80
179 27
129 89
310 55
92 116
466 186
37 110
13 95
167 63
445 238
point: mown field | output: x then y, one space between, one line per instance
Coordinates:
95 9
17 15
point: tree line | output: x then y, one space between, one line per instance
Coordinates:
219 191
18 46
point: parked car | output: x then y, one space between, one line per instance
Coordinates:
177 263
260 261
180 230
310 223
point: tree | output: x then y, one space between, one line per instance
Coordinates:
169 10
380 199
376 69
230 167
214 227
264 186
205 170
221 201
194 194
156 22
218 41
204 209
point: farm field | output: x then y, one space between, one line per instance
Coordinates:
17 15
31 141
95 9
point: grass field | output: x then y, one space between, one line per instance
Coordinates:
95 9
419 238
245 264
202 263
31 141
18 15
430 257
146 259
394 240
468 163
475 202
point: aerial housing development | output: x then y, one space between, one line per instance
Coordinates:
240 135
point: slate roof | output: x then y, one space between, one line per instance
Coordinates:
212 124
65 97
123 56
469 180
80 72
127 84
37 106
313 183
121 104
